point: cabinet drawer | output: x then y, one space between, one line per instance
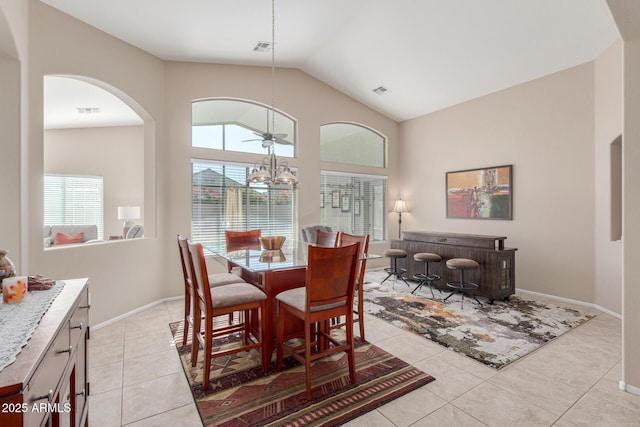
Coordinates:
44 382
79 319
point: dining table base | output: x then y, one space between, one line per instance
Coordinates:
272 283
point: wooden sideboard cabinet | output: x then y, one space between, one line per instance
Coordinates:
47 384
495 277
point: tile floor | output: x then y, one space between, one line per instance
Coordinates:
137 380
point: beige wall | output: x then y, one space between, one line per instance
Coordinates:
631 203
548 129
123 275
544 128
13 29
627 16
115 153
147 269
608 126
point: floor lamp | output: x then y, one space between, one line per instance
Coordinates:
399 207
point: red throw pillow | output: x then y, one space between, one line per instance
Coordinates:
67 239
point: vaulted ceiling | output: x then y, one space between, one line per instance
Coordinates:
428 54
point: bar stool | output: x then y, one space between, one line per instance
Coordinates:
462 287
426 278
394 255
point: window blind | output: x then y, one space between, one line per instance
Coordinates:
222 199
74 200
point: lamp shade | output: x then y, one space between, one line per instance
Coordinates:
400 206
128 212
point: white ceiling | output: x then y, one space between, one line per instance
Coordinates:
430 54
73 103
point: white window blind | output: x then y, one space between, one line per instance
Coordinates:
222 199
73 200
354 203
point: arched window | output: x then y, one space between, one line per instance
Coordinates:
352 144
238 125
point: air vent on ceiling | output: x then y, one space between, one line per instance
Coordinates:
381 90
88 110
262 46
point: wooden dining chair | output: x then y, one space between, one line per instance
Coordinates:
243 298
185 261
345 239
237 240
327 294
215 279
326 238
308 234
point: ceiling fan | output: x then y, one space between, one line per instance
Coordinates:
268 138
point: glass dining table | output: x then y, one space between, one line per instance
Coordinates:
273 271
257 260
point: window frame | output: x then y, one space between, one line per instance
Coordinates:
63 219
366 203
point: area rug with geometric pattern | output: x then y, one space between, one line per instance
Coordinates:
242 395
494 334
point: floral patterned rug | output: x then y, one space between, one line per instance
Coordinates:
494 334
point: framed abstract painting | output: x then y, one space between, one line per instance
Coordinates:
483 193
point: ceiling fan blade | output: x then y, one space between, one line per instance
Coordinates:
252 140
283 141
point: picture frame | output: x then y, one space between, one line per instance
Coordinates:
344 205
335 199
482 193
322 199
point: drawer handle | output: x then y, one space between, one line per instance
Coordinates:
80 326
85 306
81 393
68 350
442 239
47 396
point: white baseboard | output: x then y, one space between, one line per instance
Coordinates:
132 312
629 388
524 291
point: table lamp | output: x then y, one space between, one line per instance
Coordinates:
128 213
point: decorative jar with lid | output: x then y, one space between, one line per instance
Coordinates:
7 269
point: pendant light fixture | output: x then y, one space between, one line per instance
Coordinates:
272 170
